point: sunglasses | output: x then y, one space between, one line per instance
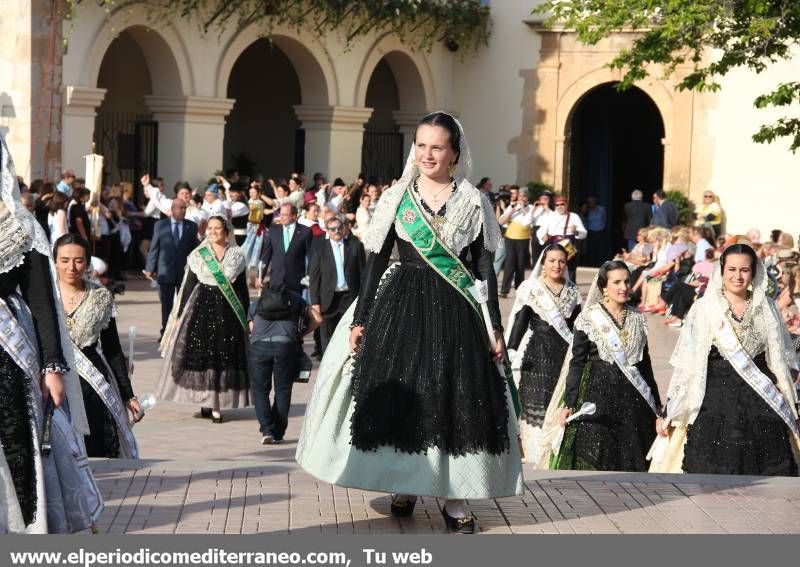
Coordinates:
337 228
708 196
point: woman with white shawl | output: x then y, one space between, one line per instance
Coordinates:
205 343
539 334
607 384
731 407
421 409
46 485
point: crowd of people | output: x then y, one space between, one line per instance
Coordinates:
421 391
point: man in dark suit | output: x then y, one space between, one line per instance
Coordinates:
286 249
666 213
334 275
637 216
173 239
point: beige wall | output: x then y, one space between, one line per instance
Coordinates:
190 78
30 71
758 185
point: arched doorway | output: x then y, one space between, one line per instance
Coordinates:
614 145
125 132
382 152
262 133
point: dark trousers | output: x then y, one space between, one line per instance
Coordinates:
166 294
595 248
517 260
331 317
281 359
536 248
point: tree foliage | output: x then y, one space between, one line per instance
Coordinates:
711 37
462 24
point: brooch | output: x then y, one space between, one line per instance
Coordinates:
409 217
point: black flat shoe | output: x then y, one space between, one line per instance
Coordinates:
402 508
204 413
459 525
217 419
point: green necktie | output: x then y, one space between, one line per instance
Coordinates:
285 238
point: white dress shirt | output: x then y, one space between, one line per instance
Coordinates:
554 223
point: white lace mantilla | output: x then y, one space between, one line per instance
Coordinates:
92 316
233 263
633 334
15 241
467 213
35 237
566 301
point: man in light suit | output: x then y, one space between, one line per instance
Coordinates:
334 274
173 239
286 250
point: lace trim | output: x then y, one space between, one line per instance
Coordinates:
10 197
15 241
633 335
92 316
56 367
566 301
233 263
468 213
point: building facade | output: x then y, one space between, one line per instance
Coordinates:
161 97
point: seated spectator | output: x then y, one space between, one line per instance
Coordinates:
684 292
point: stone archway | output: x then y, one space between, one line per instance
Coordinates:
613 144
137 64
262 133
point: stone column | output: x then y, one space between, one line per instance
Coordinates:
334 136
407 121
191 130
80 110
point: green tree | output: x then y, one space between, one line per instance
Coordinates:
461 24
714 36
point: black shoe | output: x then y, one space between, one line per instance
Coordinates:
459 525
402 508
204 413
216 419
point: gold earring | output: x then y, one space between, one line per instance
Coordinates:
605 296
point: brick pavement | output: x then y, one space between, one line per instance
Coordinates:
199 477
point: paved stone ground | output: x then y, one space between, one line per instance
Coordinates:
199 477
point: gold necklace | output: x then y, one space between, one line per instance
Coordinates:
435 197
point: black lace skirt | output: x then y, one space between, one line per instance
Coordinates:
423 376
15 434
736 432
619 435
541 365
103 440
211 354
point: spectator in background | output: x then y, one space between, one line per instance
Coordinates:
334 274
485 185
541 209
286 250
637 216
565 228
709 213
363 217
67 181
311 219
173 240
374 193
596 229
703 239
77 217
666 213
57 217
754 236
517 241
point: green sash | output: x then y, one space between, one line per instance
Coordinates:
223 284
447 264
